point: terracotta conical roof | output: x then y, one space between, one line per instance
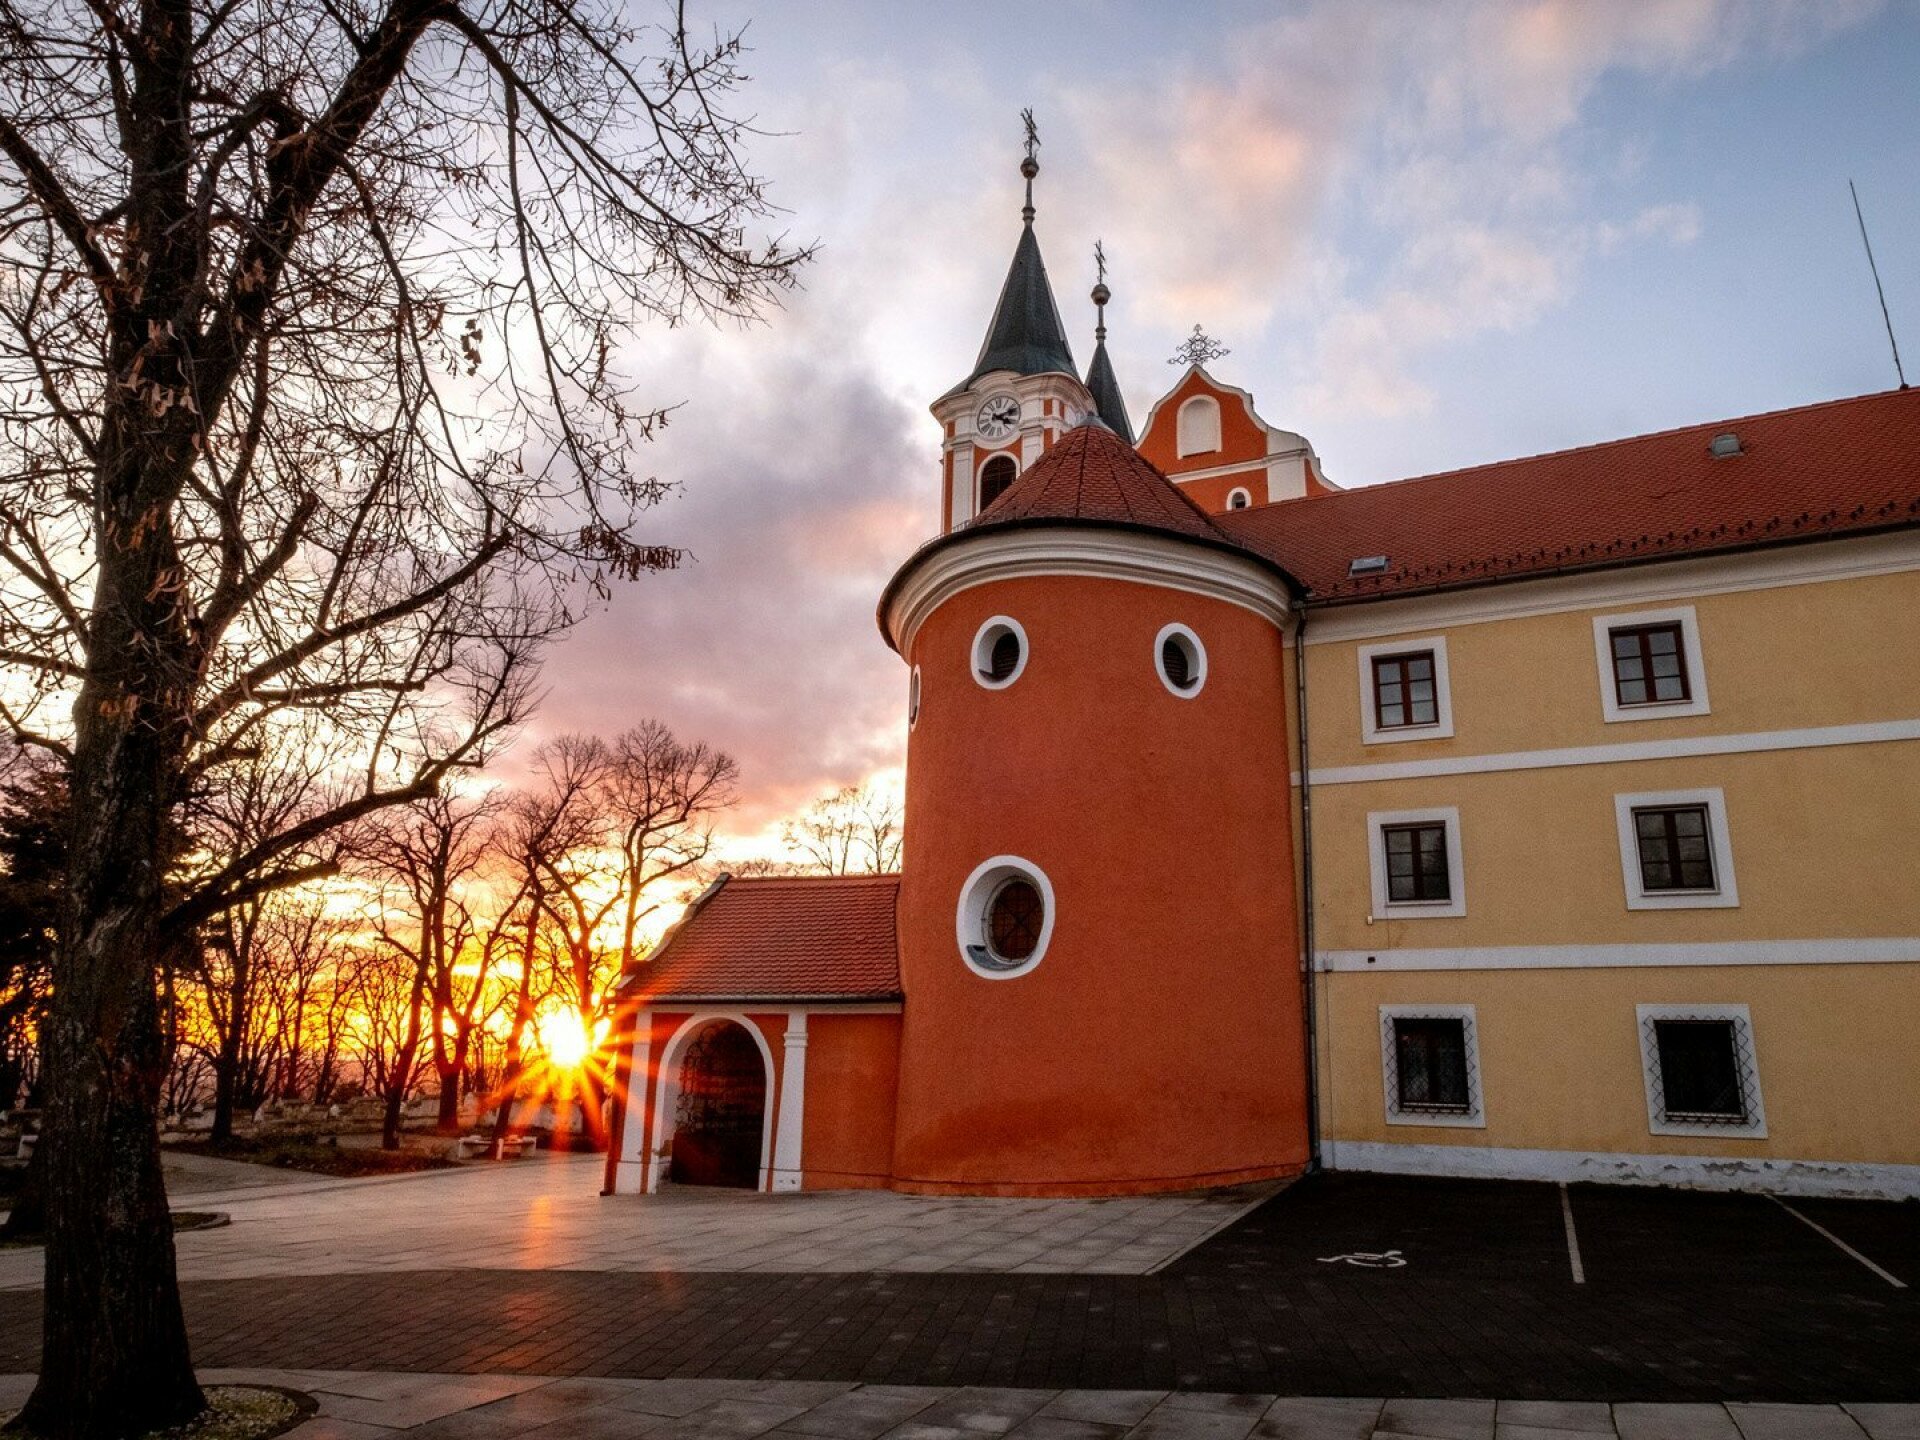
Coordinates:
1092 474
1104 386
1091 478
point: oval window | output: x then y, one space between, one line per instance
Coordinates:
913 698
1181 660
1014 918
1005 918
999 652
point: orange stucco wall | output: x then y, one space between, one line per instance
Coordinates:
1158 1043
1211 493
852 1069
1241 437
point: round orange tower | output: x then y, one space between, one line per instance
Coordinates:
1098 938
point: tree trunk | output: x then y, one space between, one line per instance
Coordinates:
447 1122
400 1077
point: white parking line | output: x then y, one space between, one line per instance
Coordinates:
1573 1238
1891 1279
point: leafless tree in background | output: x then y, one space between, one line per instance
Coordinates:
307 401
855 830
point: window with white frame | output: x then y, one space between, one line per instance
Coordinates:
1430 1065
1405 691
1650 664
1675 850
1239 498
1414 859
1702 1070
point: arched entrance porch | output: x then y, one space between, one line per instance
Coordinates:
717 1107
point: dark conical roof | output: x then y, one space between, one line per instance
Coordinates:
1026 336
1104 386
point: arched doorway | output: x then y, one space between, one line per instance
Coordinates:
720 1112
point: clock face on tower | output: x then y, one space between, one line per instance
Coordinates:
999 417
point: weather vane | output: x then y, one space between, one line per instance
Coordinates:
1033 134
1197 349
1099 262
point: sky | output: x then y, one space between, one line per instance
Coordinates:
1432 234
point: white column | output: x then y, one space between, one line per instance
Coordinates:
630 1175
793 1104
962 511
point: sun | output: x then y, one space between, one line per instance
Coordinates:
564 1039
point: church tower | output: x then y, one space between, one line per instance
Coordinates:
1024 391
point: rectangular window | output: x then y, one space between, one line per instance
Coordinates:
1430 1064
1649 665
1700 1071
1403 691
1416 863
1675 851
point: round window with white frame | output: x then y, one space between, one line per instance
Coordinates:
913 698
1180 660
999 652
1239 498
1005 917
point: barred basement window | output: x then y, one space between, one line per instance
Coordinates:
1431 1060
1702 1076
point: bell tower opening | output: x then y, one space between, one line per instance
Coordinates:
996 478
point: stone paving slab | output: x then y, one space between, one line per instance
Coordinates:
371 1406
549 1215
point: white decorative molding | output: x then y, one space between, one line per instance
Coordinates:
1098 553
1725 891
1691 658
1842 1180
1875 732
1892 950
788 1155
1455 905
1371 732
1651 579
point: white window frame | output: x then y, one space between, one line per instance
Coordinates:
1241 493
982 651
1745 1052
915 695
1684 617
980 473
1385 909
1725 894
970 916
1442 727
1186 445
1168 632
1475 1117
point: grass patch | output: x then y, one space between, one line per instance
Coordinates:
303 1152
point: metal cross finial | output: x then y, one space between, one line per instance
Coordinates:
1030 166
1197 349
1100 292
1099 262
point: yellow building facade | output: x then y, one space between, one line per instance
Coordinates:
1599 1000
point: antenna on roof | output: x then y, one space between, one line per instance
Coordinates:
1878 289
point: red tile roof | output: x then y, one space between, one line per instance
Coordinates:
781 938
1841 467
1092 474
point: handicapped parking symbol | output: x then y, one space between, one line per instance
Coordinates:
1368 1259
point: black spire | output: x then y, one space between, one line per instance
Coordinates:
1102 383
1026 335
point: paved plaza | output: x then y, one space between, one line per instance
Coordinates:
490 1302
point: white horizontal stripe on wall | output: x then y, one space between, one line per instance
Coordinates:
1876 732
1701 1172
1892 950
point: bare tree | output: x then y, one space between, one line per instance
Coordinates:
307 399
855 830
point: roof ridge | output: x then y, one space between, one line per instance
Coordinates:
868 875
1594 445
